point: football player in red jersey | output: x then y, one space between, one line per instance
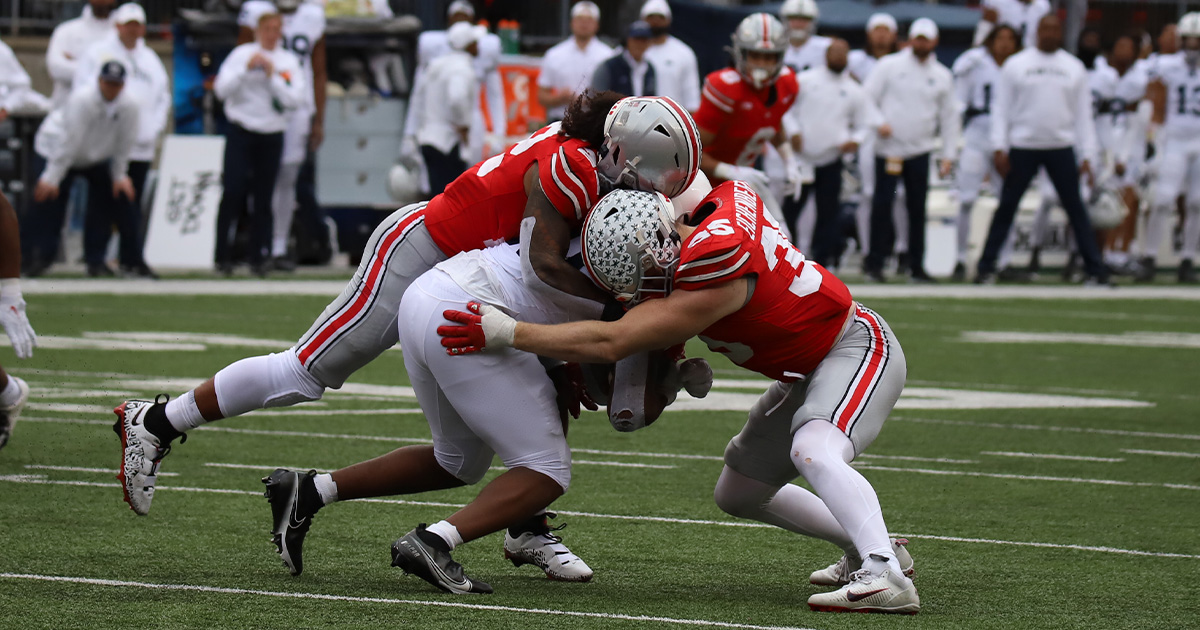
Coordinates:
742 108
538 191
747 293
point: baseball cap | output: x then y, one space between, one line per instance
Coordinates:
656 7
129 12
112 71
586 9
882 19
923 27
461 6
641 30
463 34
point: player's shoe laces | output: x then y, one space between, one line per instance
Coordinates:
539 547
868 592
9 414
839 573
142 452
416 557
292 514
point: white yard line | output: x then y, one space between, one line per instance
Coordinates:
1136 451
910 458
576 461
390 601
1047 427
38 479
1074 458
971 473
110 471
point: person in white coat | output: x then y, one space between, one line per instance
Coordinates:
915 94
567 67
677 71
486 137
260 83
70 40
90 136
16 89
446 102
147 84
882 32
830 119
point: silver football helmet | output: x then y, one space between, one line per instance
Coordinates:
288 6
650 143
630 245
1106 208
763 33
800 9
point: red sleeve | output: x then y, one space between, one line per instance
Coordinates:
713 259
571 182
789 86
716 104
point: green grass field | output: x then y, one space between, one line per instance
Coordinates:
1003 537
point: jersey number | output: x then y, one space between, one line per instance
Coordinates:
298 45
755 146
493 162
987 99
1183 101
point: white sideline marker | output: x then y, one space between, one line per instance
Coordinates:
402 602
41 480
110 471
1073 458
1136 451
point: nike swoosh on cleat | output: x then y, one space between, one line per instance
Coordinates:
854 597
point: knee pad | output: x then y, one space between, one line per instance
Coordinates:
553 463
468 469
291 383
818 446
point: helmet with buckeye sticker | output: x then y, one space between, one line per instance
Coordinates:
630 245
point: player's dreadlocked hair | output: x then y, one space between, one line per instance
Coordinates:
585 116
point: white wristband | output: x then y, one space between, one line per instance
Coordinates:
10 288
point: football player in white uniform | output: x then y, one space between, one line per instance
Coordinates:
805 48
1124 122
13 391
1175 92
304 35
975 74
1022 15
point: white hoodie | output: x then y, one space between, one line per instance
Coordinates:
86 131
146 83
68 43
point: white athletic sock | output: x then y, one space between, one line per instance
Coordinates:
791 507
326 487
821 453
1040 222
1156 227
964 229
11 392
1191 233
446 532
183 414
875 567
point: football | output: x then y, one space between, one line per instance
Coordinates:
638 388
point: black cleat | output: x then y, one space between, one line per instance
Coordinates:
291 513
960 273
1145 270
874 275
1187 272
920 277
416 557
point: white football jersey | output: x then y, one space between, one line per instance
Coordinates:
810 54
1022 16
860 64
1183 96
1102 81
302 29
494 275
975 76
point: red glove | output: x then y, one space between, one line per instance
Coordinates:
484 327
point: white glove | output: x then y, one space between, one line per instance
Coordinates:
12 316
484 327
756 178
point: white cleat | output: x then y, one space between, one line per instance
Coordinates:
838 573
546 551
142 453
11 413
869 593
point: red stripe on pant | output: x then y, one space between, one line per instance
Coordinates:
874 363
360 301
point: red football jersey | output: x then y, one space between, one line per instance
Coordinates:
484 206
740 115
797 309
